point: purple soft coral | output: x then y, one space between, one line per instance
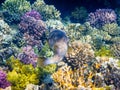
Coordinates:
28 56
101 17
3 81
33 14
33 27
33 30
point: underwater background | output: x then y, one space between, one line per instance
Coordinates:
90 49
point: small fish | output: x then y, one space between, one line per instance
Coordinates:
58 42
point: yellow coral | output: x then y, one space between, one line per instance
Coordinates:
69 79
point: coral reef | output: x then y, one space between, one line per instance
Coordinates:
82 53
101 17
115 39
79 54
3 80
47 11
14 9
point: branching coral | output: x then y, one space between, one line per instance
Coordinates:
68 79
46 11
101 17
14 9
79 54
65 78
98 75
21 74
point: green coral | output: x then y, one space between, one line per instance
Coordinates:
75 31
5 32
45 51
21 74
112 28
46 11
54 24
115 39
14 9
79 14
104 51
49 69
